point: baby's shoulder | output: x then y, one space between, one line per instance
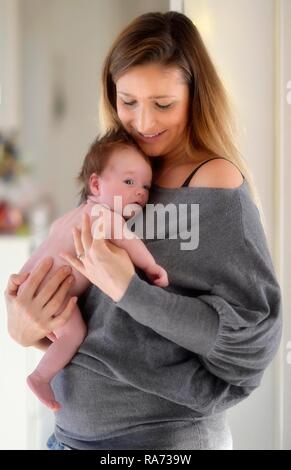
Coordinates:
67 220
96 210
55 225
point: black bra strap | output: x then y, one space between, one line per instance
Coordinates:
187 181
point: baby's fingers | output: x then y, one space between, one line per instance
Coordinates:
162 279
161 282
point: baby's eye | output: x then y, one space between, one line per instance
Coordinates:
129 181
147 187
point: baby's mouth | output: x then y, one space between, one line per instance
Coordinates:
131 210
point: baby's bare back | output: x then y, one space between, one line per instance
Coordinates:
60 239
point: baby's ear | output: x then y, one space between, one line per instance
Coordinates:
94 184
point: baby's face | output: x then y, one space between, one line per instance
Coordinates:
128 175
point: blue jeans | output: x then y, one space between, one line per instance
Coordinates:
54 444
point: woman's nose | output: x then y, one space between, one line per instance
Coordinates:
145 122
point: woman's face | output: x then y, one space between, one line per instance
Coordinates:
152 104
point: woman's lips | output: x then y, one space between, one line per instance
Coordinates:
147 139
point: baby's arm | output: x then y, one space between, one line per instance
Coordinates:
141 257
138 253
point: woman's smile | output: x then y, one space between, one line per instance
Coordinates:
150 138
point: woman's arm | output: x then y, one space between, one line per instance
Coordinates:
230 347
30 315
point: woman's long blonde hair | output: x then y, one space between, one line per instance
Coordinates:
171 39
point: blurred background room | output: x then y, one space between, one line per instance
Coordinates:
51 54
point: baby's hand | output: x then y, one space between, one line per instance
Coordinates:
157 275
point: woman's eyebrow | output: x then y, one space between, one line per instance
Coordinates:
150 97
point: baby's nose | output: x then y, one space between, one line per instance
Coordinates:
140 191
140 195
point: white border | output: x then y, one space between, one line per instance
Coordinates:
279 93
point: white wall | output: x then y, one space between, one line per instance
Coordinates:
64 44
240 38
9 64
284 183
132 8
13 358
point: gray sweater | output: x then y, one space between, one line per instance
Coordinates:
183 352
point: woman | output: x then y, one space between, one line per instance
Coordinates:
159 367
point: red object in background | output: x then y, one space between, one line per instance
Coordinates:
11 218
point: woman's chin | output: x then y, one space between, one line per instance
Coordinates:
152 151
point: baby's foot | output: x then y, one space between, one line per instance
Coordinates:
42 390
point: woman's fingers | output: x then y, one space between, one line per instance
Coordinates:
76 263
55 303
62 318
14 281
36 277
52 285
86 237
78 242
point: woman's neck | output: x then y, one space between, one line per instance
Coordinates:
169 169
166 162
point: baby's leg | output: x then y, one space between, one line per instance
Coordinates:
69 338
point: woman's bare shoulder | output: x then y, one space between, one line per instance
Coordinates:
217 173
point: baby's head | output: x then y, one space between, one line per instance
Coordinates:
115 166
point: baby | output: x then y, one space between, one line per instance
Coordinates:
114 166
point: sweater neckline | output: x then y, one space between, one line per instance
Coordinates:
198 188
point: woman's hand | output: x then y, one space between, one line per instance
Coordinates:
30 315
103 263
